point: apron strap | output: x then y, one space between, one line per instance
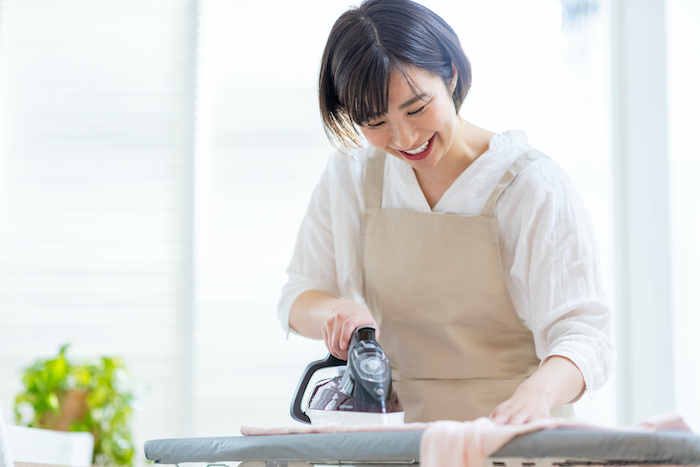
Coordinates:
374 179
520 163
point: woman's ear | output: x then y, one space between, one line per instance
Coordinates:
453 84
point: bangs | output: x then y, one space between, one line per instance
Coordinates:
364 90
363 87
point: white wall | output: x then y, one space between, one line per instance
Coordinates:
683 45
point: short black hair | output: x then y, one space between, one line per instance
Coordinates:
368 43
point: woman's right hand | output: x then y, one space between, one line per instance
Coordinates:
345 317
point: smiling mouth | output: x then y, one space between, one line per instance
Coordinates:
419 150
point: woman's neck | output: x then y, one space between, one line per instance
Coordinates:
469 143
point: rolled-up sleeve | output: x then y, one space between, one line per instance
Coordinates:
582 335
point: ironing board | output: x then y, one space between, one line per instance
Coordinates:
561 447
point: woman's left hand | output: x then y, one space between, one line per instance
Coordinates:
526 405
556 382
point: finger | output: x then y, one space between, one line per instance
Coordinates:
348 328
519 418
336 335
327 333
501 419
500 415
511 414
338 350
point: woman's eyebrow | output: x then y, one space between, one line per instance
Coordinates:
413 100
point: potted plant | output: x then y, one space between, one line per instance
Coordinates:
90 396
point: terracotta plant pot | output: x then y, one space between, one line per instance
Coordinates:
73 407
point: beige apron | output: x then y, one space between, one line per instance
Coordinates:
435 284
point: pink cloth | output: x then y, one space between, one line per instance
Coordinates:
467 444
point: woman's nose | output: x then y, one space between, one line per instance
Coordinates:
405 136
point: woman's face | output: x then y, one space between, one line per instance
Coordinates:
417 128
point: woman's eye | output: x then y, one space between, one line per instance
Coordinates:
418 111
373 126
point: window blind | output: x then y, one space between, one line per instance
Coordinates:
96 160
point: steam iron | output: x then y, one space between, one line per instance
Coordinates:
361 395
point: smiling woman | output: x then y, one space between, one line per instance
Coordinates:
469 251
359 61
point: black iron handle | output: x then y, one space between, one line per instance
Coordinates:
313 367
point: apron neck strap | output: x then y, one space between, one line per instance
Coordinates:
520 163
374 180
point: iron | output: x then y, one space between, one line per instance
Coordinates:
362 393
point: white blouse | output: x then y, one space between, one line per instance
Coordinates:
547 244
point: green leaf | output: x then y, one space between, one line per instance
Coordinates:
53 402
109 400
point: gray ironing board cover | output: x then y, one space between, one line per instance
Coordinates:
568 446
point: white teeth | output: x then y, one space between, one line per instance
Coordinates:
419 150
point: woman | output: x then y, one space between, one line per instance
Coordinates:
469 251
